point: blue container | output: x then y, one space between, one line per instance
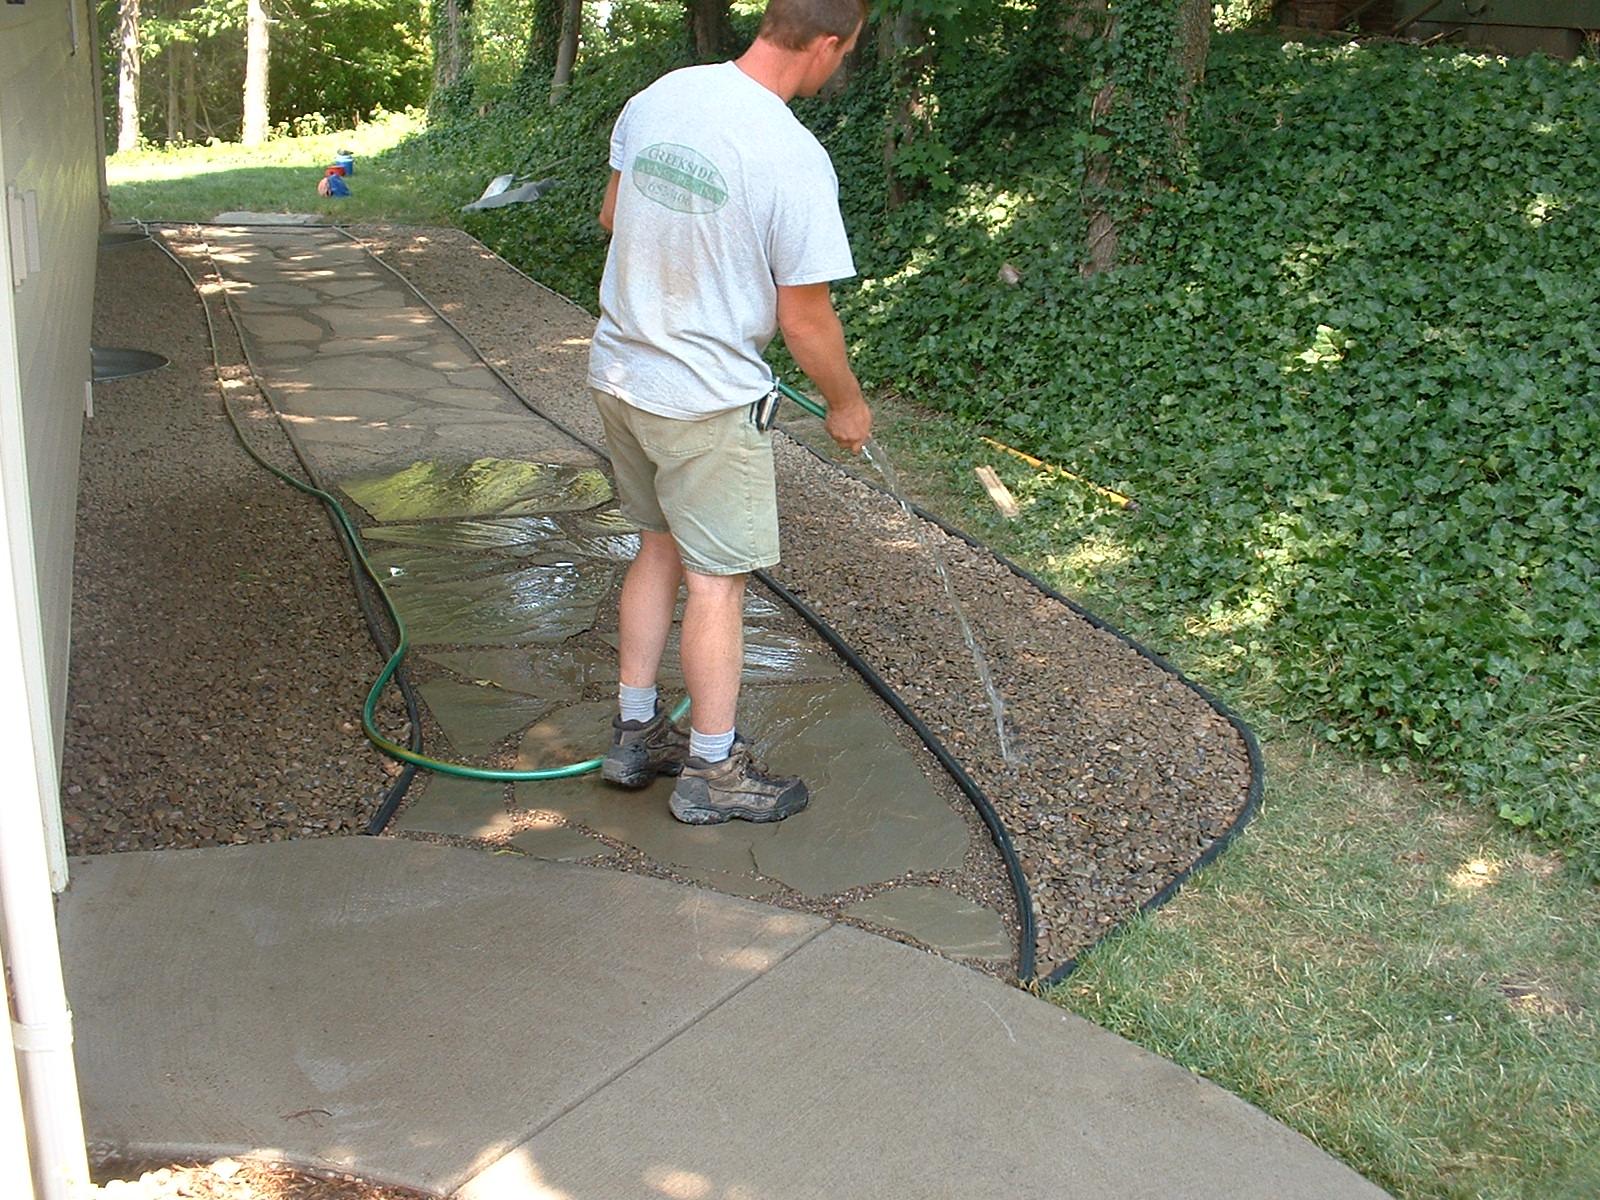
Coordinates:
347 161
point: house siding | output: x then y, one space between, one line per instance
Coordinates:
48 145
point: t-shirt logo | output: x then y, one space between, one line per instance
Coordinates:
679 178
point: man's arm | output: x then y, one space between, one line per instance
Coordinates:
608 207
815 339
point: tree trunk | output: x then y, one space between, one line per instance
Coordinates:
128 75
452 54
1091 19
712 29
1194 44
174 118
904 41
191 105
571 25
544 40
255 74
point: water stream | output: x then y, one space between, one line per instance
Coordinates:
875 455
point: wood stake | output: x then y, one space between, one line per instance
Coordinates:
998 492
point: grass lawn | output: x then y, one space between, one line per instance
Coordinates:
1398 976
195 183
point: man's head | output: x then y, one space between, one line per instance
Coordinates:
823 30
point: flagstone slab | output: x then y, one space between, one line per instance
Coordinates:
554 842
873 814
486 487
477 718
280 328
939 918
481 399
352 404
463 807
279 295
423 564
351 287
532 605
385 343
559 672
514 535
379 371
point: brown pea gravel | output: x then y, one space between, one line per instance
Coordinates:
234 1179
216 646
1124 775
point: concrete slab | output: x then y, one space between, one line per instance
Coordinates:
858 1068
405 1010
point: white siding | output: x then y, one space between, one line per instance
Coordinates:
48 145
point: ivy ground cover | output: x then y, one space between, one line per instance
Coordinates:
1350 368
1352 378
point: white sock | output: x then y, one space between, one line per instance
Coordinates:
709 747
636 704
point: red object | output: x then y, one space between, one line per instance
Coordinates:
334 171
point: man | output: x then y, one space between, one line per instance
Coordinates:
725 221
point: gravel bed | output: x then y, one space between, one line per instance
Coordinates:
1123 776
212 596
234 1179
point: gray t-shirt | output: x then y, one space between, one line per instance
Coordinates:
724 196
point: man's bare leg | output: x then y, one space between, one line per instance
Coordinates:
713 649
649 595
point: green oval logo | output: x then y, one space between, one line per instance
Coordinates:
679 178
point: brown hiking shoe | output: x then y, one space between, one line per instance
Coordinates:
641 750
737 787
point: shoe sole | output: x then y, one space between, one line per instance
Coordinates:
694 814
637 779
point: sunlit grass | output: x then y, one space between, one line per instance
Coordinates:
196 182
1393 973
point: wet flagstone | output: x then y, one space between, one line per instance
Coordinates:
939 918
514 535
872 817
558 672
477 718
463 807
535 604
487 487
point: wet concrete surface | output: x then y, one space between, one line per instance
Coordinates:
500 544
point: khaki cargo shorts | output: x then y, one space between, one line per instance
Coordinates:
710 484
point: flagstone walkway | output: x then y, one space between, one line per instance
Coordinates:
502 548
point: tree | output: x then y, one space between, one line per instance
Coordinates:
128 75
452 56
255 123
710 28
567 54
1146 59
544 40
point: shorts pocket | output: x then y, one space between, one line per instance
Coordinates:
664 437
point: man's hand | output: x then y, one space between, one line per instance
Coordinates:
815 339
850 425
